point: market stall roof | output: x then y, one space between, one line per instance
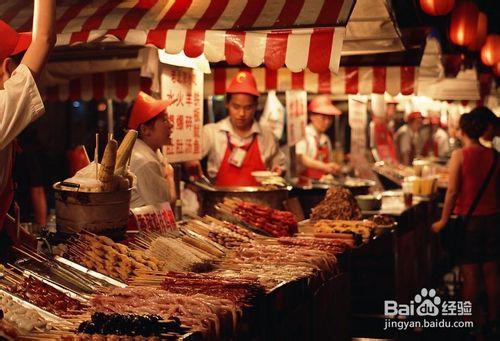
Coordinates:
348 80
297 33
123 85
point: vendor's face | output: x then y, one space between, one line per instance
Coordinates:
415 124
321 122
160 132
241 109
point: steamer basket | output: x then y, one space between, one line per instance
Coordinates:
100 213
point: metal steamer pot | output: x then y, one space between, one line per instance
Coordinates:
98 212
209 196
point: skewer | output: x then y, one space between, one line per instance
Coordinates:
28 254
96 156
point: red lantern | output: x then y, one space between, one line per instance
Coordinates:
437 7
463 25
481 33
490 53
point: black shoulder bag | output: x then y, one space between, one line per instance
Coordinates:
452 236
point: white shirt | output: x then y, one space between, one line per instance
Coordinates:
148 167
309 145
443 142
20 104
405 138
214 144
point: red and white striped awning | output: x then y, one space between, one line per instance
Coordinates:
297 33
116 85
348 80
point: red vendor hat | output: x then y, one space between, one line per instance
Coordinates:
243 83
12 41
322 104
414 115
145 108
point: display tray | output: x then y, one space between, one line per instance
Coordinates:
96 275
61 277
49 317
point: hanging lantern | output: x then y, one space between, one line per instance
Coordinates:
437 7
490 53
481 33
463 25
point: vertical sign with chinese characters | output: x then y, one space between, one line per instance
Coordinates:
185 86
296 110
358 118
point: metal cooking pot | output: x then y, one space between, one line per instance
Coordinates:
99 212
209 196
358 186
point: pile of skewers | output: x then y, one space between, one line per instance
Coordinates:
44 296
199 312
19 318
115 260
274 262
243 292
223 233
178 253
273 222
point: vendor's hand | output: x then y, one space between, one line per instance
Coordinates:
169 171
278 170
332 168
438 226
193 168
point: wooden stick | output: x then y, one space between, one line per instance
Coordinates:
96 156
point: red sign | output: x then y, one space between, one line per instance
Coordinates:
155 218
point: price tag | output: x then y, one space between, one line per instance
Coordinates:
237 157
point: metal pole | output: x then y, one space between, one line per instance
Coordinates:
177 179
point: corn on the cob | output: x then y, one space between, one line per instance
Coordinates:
125 151
107 168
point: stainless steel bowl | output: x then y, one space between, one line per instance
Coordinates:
369 202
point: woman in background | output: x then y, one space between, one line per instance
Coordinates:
480 250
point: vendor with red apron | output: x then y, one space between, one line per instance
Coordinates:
155 176
408 139
237 145
20 101
314 152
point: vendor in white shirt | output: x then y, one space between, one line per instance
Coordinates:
155 178
237 145
22 59
408 139
314 152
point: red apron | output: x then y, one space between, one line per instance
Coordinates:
229 175
384 142
322 154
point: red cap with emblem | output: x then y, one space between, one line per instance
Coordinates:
12 41
243 83
145 108
414 115
322 104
